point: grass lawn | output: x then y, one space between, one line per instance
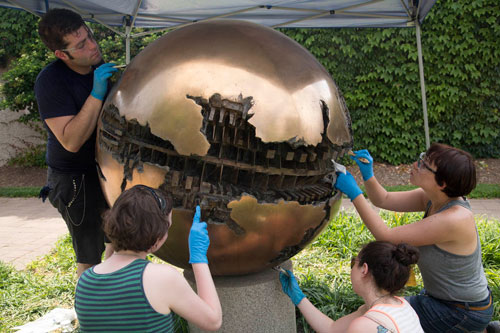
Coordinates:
19 192
323 271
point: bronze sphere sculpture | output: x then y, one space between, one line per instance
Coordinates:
235 117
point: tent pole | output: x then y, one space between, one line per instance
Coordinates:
128 28
422 83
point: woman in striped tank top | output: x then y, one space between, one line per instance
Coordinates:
127 293
379 271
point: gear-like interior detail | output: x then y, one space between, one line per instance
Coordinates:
237 162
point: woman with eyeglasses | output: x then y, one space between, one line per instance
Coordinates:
378 272
456 296
129 293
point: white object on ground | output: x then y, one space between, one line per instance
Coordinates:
57 319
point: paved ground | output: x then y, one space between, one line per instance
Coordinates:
30 228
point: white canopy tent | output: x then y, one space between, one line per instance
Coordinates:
158 15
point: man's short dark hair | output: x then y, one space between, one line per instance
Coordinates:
56 24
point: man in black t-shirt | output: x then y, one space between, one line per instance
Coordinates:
70 92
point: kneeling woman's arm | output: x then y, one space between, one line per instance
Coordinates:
318 320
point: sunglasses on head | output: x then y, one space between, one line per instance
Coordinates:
159 200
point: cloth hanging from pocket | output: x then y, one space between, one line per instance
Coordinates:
44 192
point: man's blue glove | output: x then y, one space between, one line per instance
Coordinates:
347 184
198 240
291 287
365 168
101 76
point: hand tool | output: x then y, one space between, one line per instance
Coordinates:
281 269
362 159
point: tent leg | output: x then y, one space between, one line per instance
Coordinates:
422 84
127 44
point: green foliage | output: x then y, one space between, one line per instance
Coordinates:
377 70
18 90
17 29
32 157
489 233
464 75
19 42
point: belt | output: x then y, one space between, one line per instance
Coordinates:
474 308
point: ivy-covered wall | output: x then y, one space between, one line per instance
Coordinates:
16 27
376 70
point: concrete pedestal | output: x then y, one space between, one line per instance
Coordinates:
252 303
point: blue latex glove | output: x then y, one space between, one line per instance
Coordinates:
365 168
198 240
101 76
291 287
347 184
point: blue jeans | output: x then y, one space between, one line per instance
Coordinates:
442 316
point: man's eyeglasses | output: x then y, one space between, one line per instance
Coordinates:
421 162
81 45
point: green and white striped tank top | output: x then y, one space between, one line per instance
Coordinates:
116 302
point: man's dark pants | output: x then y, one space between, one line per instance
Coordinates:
79 199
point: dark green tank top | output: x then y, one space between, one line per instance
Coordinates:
116 302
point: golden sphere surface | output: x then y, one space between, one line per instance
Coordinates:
235 117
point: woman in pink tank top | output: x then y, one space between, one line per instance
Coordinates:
378 272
